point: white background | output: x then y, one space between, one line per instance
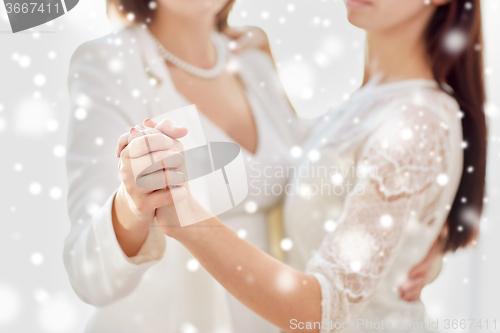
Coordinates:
320 57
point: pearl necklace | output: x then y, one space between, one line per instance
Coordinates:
200 72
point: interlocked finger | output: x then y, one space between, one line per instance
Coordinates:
138 165
146 144
161 179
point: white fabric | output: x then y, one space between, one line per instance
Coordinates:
394 152
114 83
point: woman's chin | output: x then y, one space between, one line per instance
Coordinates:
208 8
364 20
357 20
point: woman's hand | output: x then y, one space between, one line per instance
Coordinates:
144 188
246 38
423 273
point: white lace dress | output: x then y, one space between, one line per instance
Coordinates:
372 192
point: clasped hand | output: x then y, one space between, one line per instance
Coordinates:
153 172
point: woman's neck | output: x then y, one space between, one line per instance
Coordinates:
397 54
188 39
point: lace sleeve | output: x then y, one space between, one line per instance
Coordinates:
402 168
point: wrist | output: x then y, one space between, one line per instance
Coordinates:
130 233
192 211
127 215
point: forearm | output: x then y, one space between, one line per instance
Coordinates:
130 232
270 288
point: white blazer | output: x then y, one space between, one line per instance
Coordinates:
115 82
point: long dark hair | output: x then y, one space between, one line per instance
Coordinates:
463 72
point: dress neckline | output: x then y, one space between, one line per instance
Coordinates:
166 73
256 117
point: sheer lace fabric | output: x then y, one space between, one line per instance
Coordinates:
395 152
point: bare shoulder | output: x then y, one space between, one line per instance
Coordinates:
248 37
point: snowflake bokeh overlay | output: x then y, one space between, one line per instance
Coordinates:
320 59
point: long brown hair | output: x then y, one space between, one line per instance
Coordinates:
463 72
143 13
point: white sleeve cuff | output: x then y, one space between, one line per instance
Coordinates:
153 248
151 252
